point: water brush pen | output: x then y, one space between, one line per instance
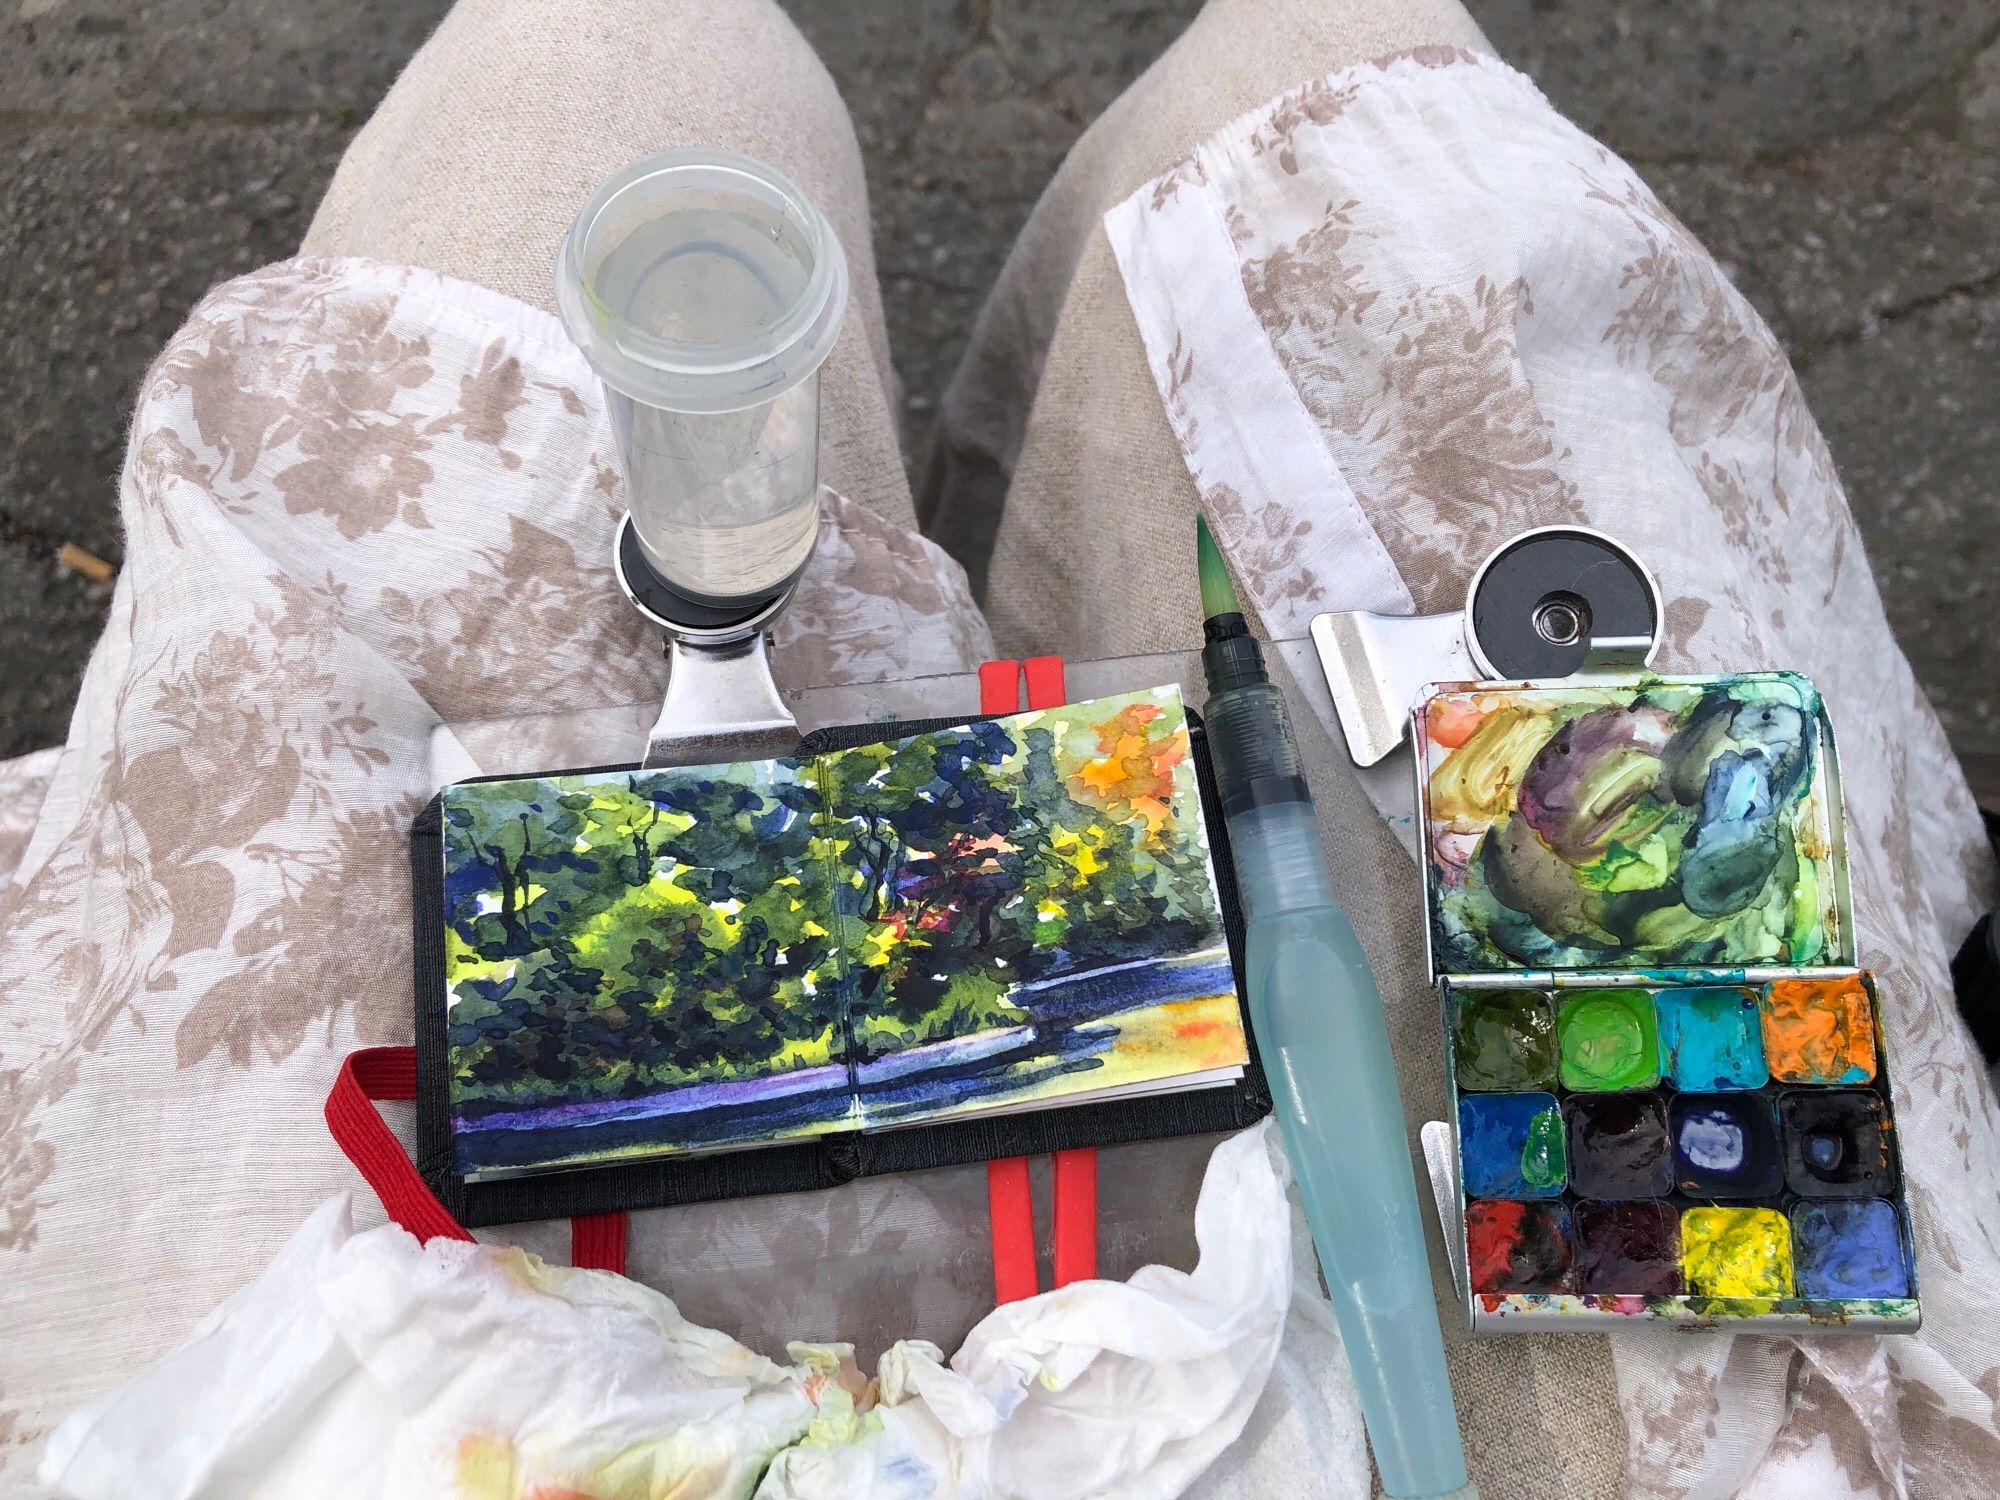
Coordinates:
1324 1040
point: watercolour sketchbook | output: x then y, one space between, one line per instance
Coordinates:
1018 914
1670 1092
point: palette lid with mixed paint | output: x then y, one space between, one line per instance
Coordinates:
1670 1101
1634 824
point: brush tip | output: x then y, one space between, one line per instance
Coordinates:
1218 594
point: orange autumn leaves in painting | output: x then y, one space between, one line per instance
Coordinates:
1135 765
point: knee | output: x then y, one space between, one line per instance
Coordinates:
610 48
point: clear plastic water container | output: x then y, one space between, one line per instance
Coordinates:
706 290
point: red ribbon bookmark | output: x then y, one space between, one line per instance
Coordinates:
596 1241
1009 1203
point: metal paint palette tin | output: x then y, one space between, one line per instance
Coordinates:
1670 1095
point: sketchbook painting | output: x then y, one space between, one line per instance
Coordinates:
1020 912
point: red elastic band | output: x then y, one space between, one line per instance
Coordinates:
1076 1215
999 687
360 1131
1046 688
1009 1212
1009 1206
1012 1214
597 1242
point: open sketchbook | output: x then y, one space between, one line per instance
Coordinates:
1016 914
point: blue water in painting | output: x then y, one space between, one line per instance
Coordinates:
1073 1020
1852 1248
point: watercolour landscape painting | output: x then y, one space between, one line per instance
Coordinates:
1017 913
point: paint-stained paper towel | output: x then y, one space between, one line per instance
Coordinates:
364 1365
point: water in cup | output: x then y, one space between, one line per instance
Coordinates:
706 290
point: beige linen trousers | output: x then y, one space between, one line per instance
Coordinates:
506 121
1054 445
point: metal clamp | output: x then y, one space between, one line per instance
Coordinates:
1555 602
722 701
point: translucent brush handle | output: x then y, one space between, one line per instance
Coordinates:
1325 1047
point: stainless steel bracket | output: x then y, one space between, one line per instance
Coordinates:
1441 1166
1375 667
722 704
1555 602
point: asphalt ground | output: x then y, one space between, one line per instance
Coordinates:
1841 160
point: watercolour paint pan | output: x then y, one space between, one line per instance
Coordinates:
1670 1094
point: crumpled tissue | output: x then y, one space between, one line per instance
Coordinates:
367 1364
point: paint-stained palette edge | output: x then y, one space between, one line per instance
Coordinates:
1491 1312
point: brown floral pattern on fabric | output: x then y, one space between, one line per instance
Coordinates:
1269 543
356 441
1426 382
261 1007
25 1159
1428 57
1820 1426
526 617
1186 172
485 397
1725 377
1481 461
895 590
1949 1436
360 501
23 784
1318 103
1484 322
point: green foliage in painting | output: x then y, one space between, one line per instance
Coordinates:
614 936
611 937
978 860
